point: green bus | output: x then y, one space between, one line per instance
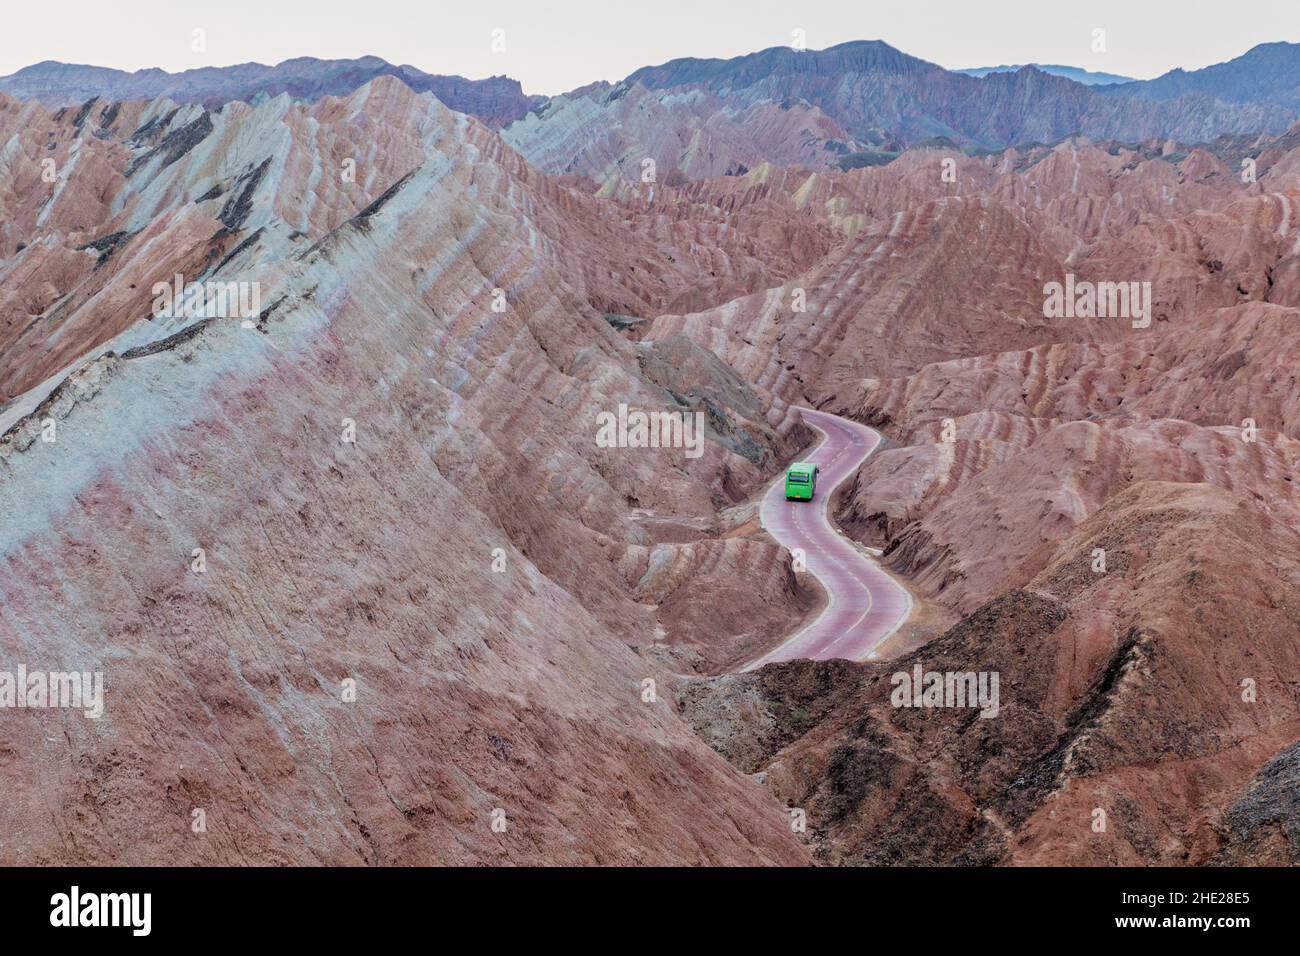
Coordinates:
800 481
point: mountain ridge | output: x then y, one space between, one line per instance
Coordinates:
871 89
1267 72
495 99
1076 73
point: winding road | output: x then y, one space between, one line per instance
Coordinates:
865 605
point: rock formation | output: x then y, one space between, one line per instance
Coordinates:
365 587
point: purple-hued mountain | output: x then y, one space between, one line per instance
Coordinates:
868 85
1078 74
1268 73
872 92
496 100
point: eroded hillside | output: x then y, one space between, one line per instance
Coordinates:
365 587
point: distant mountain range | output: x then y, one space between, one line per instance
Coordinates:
1086 77
869 86
1267 73
497 99
873 92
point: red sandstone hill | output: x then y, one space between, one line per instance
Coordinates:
469 556
470 314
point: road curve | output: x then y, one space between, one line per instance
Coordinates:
865 605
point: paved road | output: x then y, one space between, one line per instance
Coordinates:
865 604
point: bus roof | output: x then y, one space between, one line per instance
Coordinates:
801 466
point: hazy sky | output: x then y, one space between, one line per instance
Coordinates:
555 45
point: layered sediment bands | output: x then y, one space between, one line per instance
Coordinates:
182 203
182 208
608 133
1112 510
1220 368
708 588
963 274
289 173
393 473
394 481
976 526
1108 682
475 691
951 277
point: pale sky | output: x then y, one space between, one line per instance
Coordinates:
555 45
